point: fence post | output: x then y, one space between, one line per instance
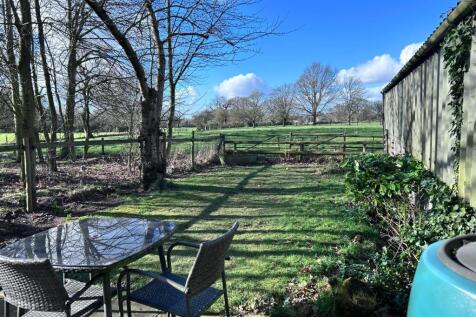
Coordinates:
193 150
301 150
102 147
364 147
29 161
290 140
344 146
222 152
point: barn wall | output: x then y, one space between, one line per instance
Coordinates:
417 118
418 121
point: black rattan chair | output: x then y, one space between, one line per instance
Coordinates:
176 295
34 288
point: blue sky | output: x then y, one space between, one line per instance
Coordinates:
364 38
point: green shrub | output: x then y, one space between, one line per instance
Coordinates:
410 207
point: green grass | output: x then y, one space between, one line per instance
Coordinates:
243 134
290 215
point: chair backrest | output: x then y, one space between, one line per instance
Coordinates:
32 285
210 262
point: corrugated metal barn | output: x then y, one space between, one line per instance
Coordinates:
418 118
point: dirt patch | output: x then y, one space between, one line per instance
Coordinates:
78 188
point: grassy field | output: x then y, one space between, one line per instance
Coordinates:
234 134
290 216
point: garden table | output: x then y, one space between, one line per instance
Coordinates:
95 246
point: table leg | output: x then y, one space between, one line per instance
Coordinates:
107 295
163 263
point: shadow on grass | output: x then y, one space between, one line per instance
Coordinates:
213 205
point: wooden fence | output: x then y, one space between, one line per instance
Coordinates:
298 145
304 144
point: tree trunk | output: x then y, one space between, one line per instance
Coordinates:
39 106
70 103
170 123
52 166
19 143
152 161
28 101
170 55
153 164
85 116
15 85
314 118
72 69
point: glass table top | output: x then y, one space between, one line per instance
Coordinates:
96 243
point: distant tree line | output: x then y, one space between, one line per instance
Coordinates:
317 96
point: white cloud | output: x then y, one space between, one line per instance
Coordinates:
374 93
381 68
240 86
408 52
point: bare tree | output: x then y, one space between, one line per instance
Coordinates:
152 156
352 97
204 33
248 110
282 103
23 24
49 91
317 88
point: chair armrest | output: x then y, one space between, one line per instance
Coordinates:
88 284
159 277
175 244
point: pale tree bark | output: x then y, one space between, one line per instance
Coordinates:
24 27
15 84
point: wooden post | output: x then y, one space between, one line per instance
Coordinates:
222 150
102 147
301 150
193 150
364 147
29 159
290 140
234 147
344 147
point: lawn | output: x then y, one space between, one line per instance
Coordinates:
290 216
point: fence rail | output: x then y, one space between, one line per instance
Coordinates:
292 144
305 144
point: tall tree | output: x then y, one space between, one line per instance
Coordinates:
282 103
10 60
152 156
49 91
317 88
23 24
352 97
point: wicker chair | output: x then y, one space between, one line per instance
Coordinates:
176 295
34 288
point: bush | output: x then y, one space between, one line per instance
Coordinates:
410 207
